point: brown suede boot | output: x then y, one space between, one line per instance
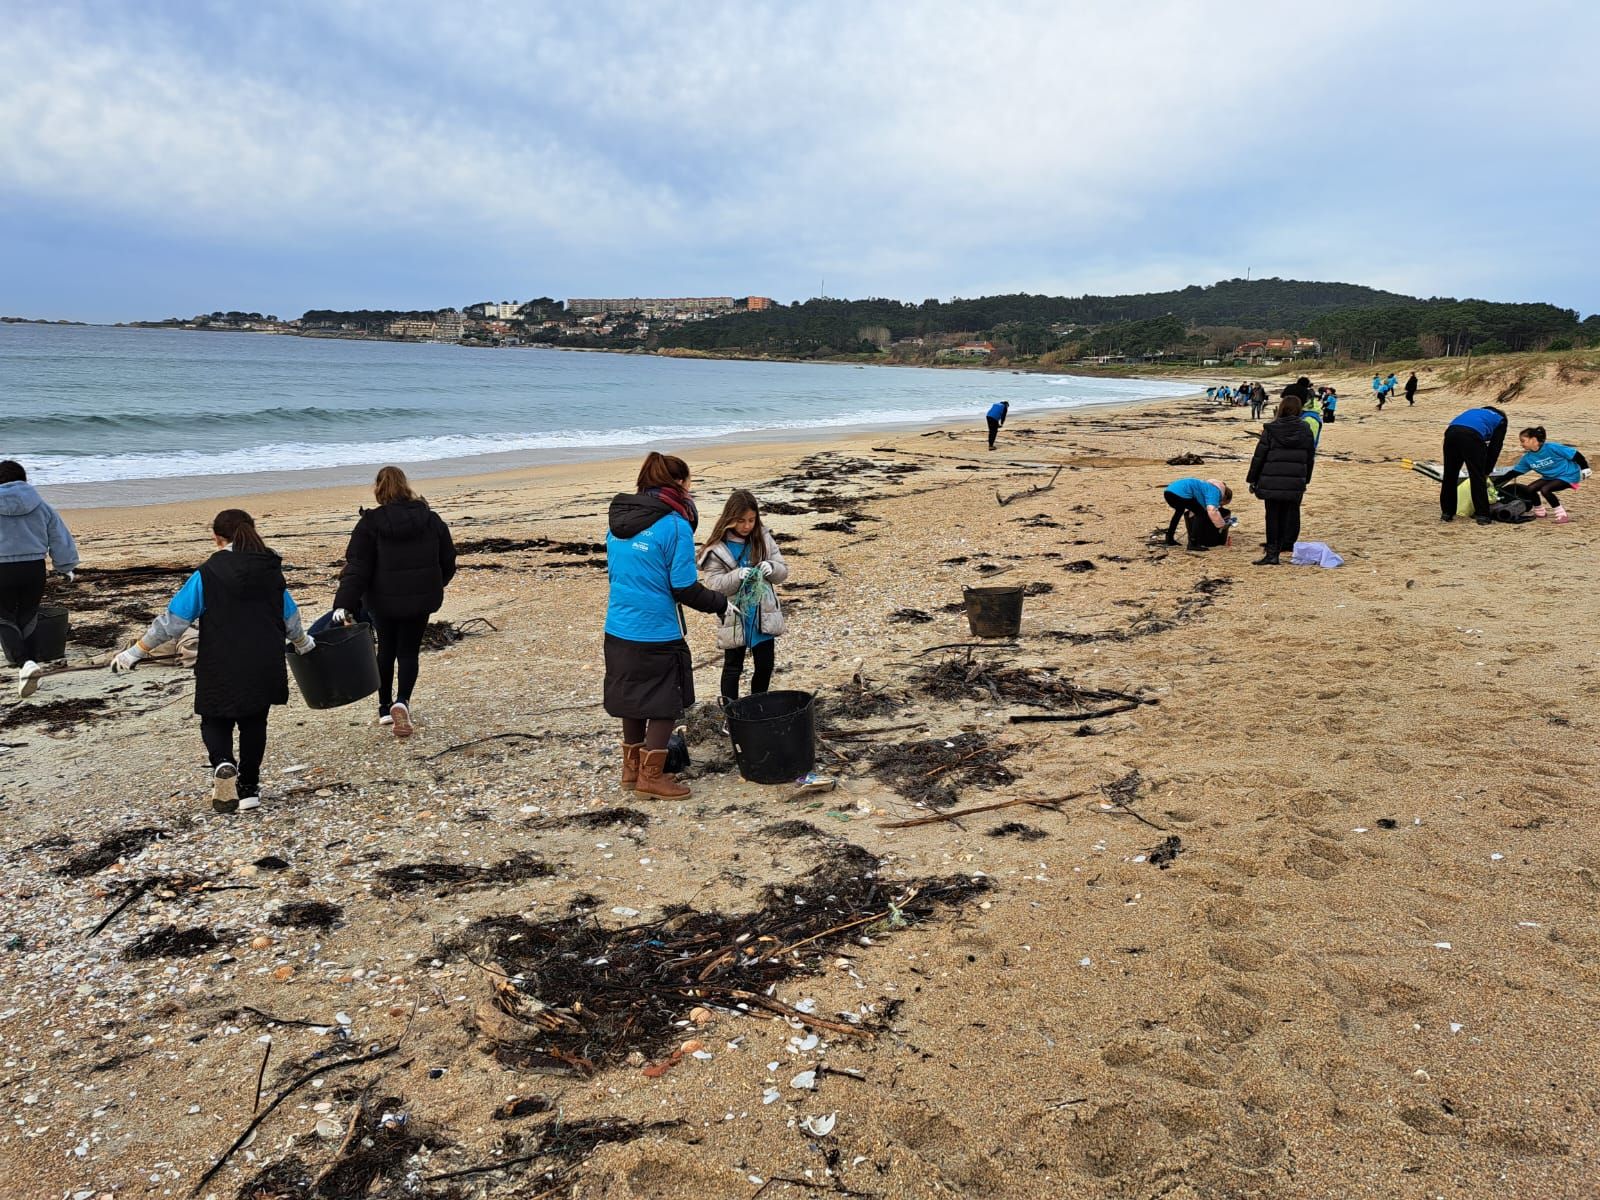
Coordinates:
654 782
630 763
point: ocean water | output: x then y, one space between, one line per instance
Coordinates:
85 405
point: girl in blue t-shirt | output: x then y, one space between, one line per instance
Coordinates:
739 550
1557 468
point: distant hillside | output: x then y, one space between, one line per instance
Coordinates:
835 326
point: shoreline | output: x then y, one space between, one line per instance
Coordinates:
151 491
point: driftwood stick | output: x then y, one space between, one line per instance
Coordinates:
1040 718
480 740
1031 491
794 1014
979 808
842 735
1118 808
139 889
261 1073
998 643
324 1069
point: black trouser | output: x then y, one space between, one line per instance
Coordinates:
21 589
217 733
399 640
1411 396
1256 407
1545 490
1179 507
764 655
1464 448
1283 525
994 428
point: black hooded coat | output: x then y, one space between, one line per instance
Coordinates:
1281 467
241 669
397 564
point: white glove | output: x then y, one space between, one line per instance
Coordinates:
305 645
745 573
735 611
128 659
766 569
340 617
1586 474
70 576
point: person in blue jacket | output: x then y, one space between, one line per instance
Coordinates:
29 530
1558 468
997 418
1473 440
240 672
1202 497
1330 405
650 563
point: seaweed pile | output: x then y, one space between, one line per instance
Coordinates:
933 771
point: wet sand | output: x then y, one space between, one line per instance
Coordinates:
1367 966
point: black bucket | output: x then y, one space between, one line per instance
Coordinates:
774 736
341 669
994 612
50 633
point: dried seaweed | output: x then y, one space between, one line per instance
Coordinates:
909 616
440 635
1016 829
447 878
53 716
171 942
857 700
934 771
578 996
598 819
108 850
307 914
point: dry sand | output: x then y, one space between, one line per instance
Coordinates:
1371 969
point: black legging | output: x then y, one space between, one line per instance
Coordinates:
1179 507
994 428
217 733
1283 525
1544 489
1464 448
399 640
21 589
733 667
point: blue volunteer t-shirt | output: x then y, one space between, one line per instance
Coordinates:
643 570
1553 461
189 604
1206 494
996 411
1481 421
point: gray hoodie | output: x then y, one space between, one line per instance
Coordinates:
30 529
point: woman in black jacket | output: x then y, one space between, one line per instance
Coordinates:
1279 474
398 562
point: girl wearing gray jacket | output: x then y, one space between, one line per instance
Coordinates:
742 561
29 530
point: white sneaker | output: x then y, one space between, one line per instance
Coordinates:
246 803
28 679
225 788
386 719
402 720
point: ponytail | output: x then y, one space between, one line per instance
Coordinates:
661 470
238 528
1536 432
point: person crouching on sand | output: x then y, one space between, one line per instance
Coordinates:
397 565
240 672
1202 497
29 530
649 670
996 418
739 554
1280 471
1557 468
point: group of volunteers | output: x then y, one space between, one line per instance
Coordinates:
399 559
1383 389
654 570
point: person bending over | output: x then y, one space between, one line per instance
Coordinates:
1473 441
997 418
1202 497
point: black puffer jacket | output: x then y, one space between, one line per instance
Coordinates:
1284 457
398 562
241 669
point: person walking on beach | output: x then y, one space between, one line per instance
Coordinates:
1411 390
1390 386
1280 472
1258 401
1558 468
996 418
651 568
1472 440
30 530
399 561
1201 498
240 673
1330 406
742 559
1377 391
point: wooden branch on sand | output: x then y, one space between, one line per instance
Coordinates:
1032 491
951 815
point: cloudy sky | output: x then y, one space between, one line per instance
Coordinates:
161 159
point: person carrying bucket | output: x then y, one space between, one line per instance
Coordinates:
397 565
1555 466
651 569
742 558
29 531
240 672
997 417
1203 498
1473 441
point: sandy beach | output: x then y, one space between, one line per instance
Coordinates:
1309 912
